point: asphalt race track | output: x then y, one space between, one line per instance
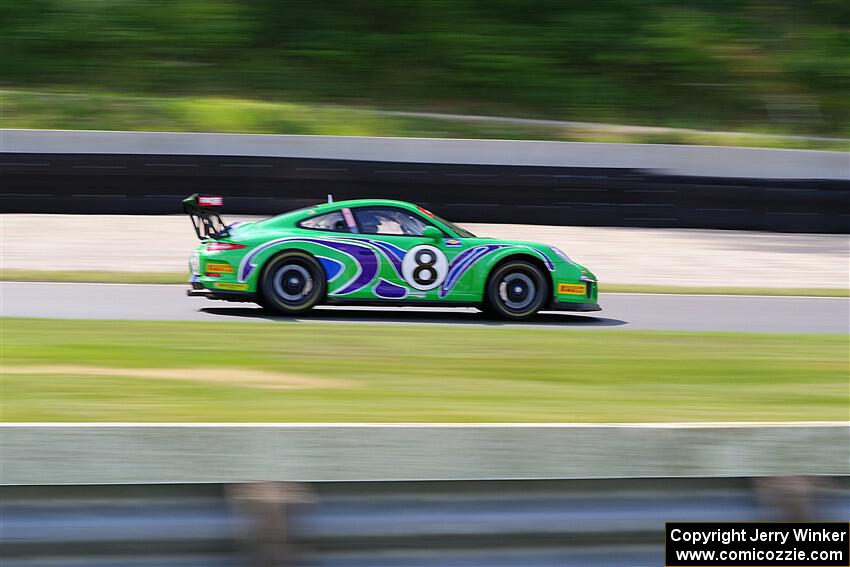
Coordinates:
619 311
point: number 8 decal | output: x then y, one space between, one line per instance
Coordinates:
424 267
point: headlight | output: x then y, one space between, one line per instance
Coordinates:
560 254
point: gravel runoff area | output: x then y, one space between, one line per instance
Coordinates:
676 257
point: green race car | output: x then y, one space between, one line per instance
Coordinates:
377 252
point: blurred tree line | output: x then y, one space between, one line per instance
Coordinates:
769 65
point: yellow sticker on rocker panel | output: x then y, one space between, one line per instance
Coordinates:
230 286
220 268
572 289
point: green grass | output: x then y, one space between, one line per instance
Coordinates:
93 276
180 278
721 290
419 374
774 67
103 111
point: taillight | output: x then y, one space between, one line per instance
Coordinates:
216 246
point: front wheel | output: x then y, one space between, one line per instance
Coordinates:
292 283
516 290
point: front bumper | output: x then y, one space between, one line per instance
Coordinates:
571 299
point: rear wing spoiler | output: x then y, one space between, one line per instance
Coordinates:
206 222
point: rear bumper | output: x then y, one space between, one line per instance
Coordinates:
198 290
571 306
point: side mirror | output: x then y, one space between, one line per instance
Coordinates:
433 233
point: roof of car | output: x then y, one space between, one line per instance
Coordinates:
292 218
362 203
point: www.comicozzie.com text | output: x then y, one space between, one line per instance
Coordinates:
726 536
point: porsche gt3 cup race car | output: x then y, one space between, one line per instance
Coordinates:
377 252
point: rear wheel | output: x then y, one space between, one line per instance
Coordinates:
292 283
516 290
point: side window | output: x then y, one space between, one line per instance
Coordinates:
388 220
333 222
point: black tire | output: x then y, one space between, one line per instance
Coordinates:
516 290
292 283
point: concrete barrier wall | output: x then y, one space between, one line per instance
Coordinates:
559 183
102 454
699 161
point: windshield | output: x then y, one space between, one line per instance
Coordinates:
462 232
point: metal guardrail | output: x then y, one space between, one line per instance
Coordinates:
233 453
183 495
468 180
381 524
